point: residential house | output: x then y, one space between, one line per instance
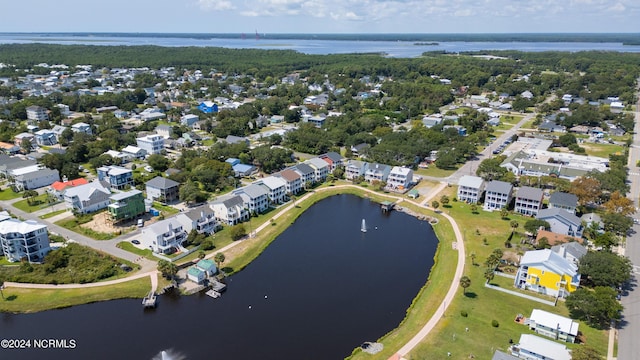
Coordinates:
18 139
57 188
306 172
551 127
470 189
196 275
118 177
320 169
499 355
189 120
35 179
497 195
546 272
360 149
565 201
333 159
134 152
207 266
202 219
531 347
151 114
152 144
292 181
231 139
8 148
37 113
377 172
164 130
126 205
58 130
554 238
163 237
317 121
354 169
400 178
28 240
561 221
10 163
45 138
208 107
162 189
593 220
572 251
230 209
276 188
254 197
82 128
528 201
87 198
553 326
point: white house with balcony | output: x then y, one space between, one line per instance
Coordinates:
37 113
498 195
201 219
320 169
276 187
292 181
399 178
470 189
377 172
354 169
82 128
255 197
163 237
87 198
152 144
229 209
23 240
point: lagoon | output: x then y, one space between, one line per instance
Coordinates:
318 291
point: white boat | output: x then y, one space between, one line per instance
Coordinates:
363 228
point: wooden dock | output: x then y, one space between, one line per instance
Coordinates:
387 206
150 301
214 294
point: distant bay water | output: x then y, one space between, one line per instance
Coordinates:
392 46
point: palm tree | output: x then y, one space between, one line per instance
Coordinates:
465 282
514 225
504 213
473 258
488 274
167 268
435 205
474 208
219 259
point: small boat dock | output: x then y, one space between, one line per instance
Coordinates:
214 294
387 206
216 289
150 301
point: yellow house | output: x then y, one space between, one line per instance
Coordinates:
547 273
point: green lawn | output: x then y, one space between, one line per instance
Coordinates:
53 213
483 304
8 194
433 170
529 124
38 203
208 142
125 245
602 149
19 300
165 209
4 261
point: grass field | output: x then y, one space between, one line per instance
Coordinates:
434 171
8 194
19 300
53 213
125 245
483 304
38 203
72 224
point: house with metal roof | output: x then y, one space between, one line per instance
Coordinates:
306 172
255 197
553 326
196 275
470 188
497 195
377 172
531 347
229 209
572 251
562 221
354 169
207 266
320 169
528 200
563 200
20 240
202 219
276 188
87 198
36 179
400 178
162 189
547 272
163 237
118 177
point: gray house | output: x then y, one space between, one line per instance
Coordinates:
162 189
562 200
561 221
470 188
528 201
497 195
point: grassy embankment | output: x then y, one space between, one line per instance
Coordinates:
18 300
53 213
483 304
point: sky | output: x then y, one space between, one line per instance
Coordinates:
321 16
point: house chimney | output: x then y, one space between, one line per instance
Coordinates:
170 227
202 214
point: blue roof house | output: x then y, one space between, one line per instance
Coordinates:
208 107
207 266
233 161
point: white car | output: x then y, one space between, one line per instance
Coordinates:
148 168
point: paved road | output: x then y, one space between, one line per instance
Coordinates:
629 332
107 246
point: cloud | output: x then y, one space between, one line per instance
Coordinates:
217 5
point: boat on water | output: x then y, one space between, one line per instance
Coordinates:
363 228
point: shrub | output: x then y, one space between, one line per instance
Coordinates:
495 323
464 313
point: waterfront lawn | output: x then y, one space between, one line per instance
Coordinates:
73 224
28 205
53 213
483 304
19 300
8 194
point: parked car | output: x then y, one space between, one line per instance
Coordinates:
140 223
134 241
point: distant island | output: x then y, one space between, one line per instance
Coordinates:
426 43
